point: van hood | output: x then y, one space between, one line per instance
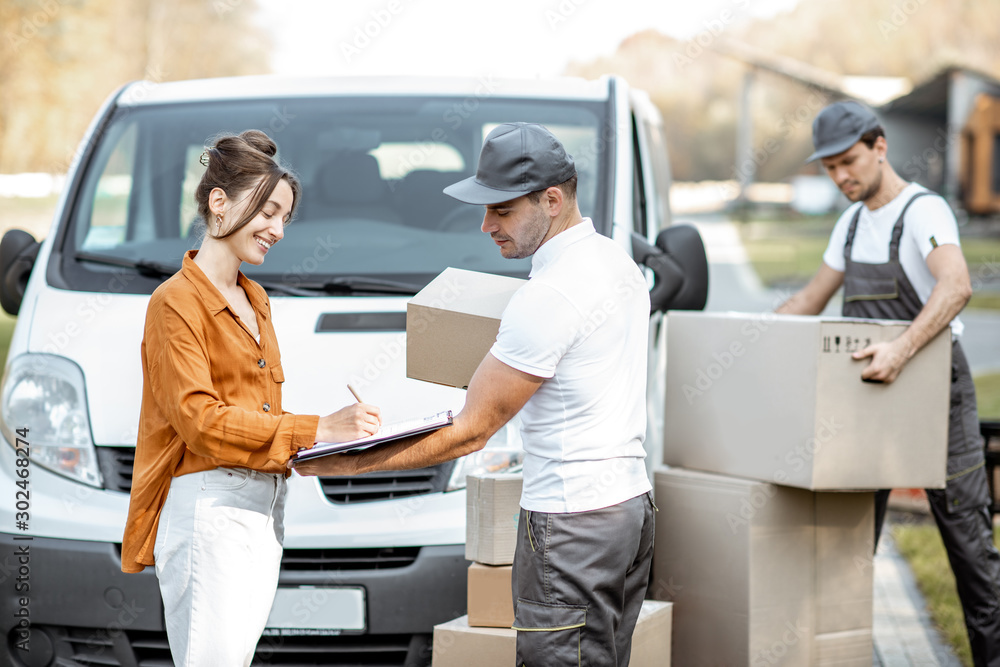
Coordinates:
102 333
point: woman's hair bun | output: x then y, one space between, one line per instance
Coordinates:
260 141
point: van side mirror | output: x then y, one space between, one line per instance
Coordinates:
18 250
680 265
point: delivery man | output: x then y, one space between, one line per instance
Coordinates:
896 252
571 357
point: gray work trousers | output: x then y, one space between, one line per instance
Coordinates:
578 583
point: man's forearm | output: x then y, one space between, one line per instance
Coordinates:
421 451
799 304
812 299
945 302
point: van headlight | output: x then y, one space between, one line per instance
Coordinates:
45 394
502 453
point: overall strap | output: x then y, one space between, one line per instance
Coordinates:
897 230
849 244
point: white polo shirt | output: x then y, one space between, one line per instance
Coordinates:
581 322
929 217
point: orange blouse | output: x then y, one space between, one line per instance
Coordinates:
211 397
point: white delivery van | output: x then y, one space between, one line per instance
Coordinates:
372 562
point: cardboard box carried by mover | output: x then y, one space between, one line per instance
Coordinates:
492 507
763 574
490 603
452 323
779 398
457 644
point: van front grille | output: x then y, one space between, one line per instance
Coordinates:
116 465
386 485
336 560
99 647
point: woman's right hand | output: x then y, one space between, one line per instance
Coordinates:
358 420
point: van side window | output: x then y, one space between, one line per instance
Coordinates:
638 184
660 203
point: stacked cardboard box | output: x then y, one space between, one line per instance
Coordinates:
779 398
458 644
492 510
765 574
484 637
492 506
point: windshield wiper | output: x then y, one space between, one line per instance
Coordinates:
362 285
145 267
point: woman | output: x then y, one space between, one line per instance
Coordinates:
210 463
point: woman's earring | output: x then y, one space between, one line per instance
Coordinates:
218 224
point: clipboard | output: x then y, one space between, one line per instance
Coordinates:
387 433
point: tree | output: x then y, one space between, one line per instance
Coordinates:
59 60
697 89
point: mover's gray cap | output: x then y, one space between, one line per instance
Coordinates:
517 158
840 126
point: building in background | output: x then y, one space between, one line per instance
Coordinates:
945 135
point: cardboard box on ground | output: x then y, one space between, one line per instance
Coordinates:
778 398
763 574
456 644
452 323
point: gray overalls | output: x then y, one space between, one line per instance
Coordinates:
961 509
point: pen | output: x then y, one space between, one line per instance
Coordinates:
355 393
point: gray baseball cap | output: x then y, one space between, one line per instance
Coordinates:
839 126
517 158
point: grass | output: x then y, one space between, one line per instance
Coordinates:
988 396
922 547
6 331
31 214
787 254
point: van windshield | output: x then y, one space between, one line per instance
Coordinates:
372 170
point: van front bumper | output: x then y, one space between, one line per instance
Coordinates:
81 608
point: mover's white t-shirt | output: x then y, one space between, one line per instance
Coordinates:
928 217
582 323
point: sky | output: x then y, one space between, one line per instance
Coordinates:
513 38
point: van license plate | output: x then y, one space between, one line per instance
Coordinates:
316 610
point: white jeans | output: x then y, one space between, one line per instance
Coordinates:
218 552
